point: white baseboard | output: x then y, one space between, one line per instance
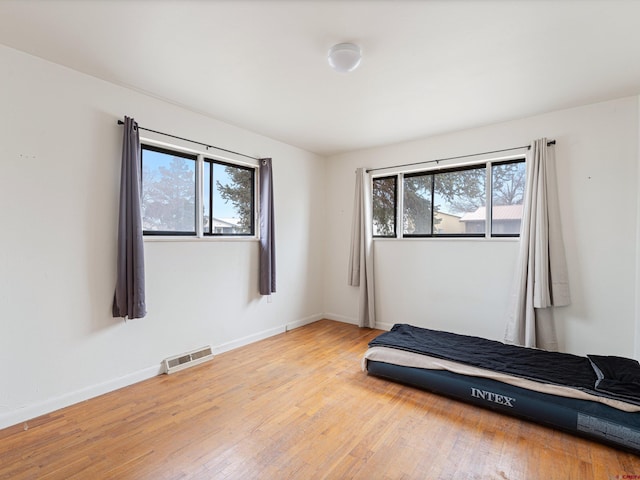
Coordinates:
384 326
241 342
341 318
305 321
28 412
354 321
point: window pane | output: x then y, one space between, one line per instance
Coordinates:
507 183
233 199
168 192
384 207
416 217
459 202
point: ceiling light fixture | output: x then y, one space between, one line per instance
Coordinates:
344 57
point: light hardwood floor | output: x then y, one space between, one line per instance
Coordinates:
294 406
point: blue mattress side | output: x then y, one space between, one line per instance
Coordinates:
581 417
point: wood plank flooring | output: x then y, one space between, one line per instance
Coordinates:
294 406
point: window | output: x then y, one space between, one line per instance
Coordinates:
384 206
232 201
417 202
168 192
171 188
452 202
507 187
435 203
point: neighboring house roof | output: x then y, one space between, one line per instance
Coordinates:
225 222
500 212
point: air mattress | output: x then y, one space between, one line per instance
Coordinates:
594 396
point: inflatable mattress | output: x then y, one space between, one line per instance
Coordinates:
595 396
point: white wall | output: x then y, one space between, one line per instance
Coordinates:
463 285
59 178
637 332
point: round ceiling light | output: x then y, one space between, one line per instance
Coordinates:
344 57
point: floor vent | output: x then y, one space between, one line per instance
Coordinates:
186 360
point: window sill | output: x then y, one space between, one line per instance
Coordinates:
177 238
444 239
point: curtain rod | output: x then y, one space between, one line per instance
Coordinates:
120 122
528 147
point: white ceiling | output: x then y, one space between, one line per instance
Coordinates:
428 67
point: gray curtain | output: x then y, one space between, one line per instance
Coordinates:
129 297
361 252
542 280
267 230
